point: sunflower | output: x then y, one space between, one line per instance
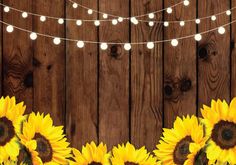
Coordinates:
174 146
128 155
11 115
220 123
91 155
45 143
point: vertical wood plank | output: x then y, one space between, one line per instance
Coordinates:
213 54
17 55
49 62
1 52
233 51
179 65
146 77
81 77
114 77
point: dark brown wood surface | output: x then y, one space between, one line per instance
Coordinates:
116 95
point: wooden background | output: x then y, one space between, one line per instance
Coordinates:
115 96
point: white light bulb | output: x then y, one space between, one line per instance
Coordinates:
166 23
75 5
105 16
228 12
60 20
24 15
78 22
181 23
150 45
198 21
134 20
90 11
169 10
174 42
56 41
221 30
198 37
186 2
6 9
120 19
151 23
213 18
151 15
80 44
97 23
10 28
104 46
114 22
42 18
127 46
33 36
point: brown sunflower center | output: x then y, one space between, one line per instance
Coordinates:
201 158
182 150
7 131
224 134
44 148
24 157
130 163
95 163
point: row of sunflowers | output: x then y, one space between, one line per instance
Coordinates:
32 139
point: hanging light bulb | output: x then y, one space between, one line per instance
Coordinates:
33 36
169 10
174 42
114 22
228 12
166 24
105 16
151 23
120 19
24 15
56 41
198 37
42 18
150 45
134 20
186 2
75 5
221 30
198 21
97 23
60 21
151 15
6 9
104 46
79 22
213 18
10 29
127 46
182 23
80 44
90 11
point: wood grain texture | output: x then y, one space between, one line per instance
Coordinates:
146 78
213 54
233 52
114 77
81 81
18 55
179 65
49 62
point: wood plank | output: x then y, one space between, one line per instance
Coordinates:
179 65
213 54
114 77
81 78
233 52
1 52
17 55
146 78
49 62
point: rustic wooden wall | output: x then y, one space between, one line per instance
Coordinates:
116 96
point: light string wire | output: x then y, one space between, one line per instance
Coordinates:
92 20
137 16
118 43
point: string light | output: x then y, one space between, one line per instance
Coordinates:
166 24
96 23
60 21
75 5
213 18
56 40
90 11
24 14
174 42
198 37
105 16
120 19
104 46
150 45
151 15
42 18
221 30
151 23
80 44
33 36
198 21
186 2
228 12
78 22
182 23
134 20
127 46
6 9
10 28
114 22
169 10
